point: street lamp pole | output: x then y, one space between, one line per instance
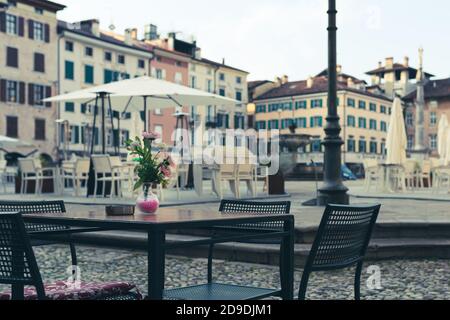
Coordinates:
333 191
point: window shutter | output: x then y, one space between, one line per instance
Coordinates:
47 32
3 90
21 26
48 94
30 29
2 21
31 94
22 92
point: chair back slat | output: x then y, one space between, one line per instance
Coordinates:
27 166
102 164
17 261
343 236
82 166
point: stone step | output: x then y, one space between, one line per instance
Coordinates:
269 254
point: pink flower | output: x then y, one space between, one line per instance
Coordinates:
166 172
151 135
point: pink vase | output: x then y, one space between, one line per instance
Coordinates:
147 202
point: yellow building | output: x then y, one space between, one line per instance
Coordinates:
364 115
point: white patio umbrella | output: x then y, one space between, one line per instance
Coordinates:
443 140
396 141
7 142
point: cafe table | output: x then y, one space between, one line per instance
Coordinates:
177 218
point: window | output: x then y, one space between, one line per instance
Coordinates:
12 57
178 64
124 137
383 109
239 95
39 129
317 103
38 31
12 27
238 80
286 123
433 141
74 134
316 122
351 102
362 123
12 127
121 59
260 125
209 85
178 77
351 145
362 146
69 107
108 56
433 119
273 124
316 145
383 126
222 92
69 70
39 10
141 64
222 76
193 82
69 46
351 122
12 91
39 62
261 108
373 124
88 74
300 104
410 142
373 107
361 104
159 74
373 147
88 51
38 95
301 122
409 119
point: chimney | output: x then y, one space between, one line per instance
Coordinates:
277 82
389 63
223 61
406 61
339 68
350 83
284 79
128 36
134 33
380 64
310 82
92 26
150 32
198 53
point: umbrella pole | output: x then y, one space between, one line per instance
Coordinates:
111 116
145 114
91 176
102 96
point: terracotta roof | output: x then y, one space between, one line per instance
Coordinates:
46 5
257 83
220 65
433 89
320 85
343 75
397 67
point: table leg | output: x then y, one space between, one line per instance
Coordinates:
18 269
156 264
287 261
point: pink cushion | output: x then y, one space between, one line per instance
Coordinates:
85 291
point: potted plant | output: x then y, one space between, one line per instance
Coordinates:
152 169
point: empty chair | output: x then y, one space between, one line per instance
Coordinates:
3 174
262 173
36 207
424 174
246 173
373 173
225 173
105 172
341 241
411 173
19 268
31 170
219 291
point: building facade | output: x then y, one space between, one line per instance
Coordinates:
364 116
28 73
437 104
90 57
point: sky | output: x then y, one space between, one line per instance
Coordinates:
270 38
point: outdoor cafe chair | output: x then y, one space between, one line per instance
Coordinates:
36 207
18 267
106 172
31 170
424 175
341 241
226 173
3 174
219 291
373 173
246 173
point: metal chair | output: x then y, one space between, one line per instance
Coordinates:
341 241
18 267
37 207
215 291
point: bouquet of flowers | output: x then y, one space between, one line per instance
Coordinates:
151 169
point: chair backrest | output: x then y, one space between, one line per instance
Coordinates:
410 166
237 206
17 261
27 166
246 169
102 163
228 169
82 166
343 237
3 164
426 167
435 162
115 161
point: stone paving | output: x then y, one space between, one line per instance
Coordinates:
400 279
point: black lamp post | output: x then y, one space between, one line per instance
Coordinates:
333 190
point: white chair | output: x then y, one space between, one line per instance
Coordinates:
31 170
411 174
225 173
81 174
373 173
3 174
105 172
424 174
246 173
262 174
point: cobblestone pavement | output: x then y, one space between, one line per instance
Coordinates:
400 279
